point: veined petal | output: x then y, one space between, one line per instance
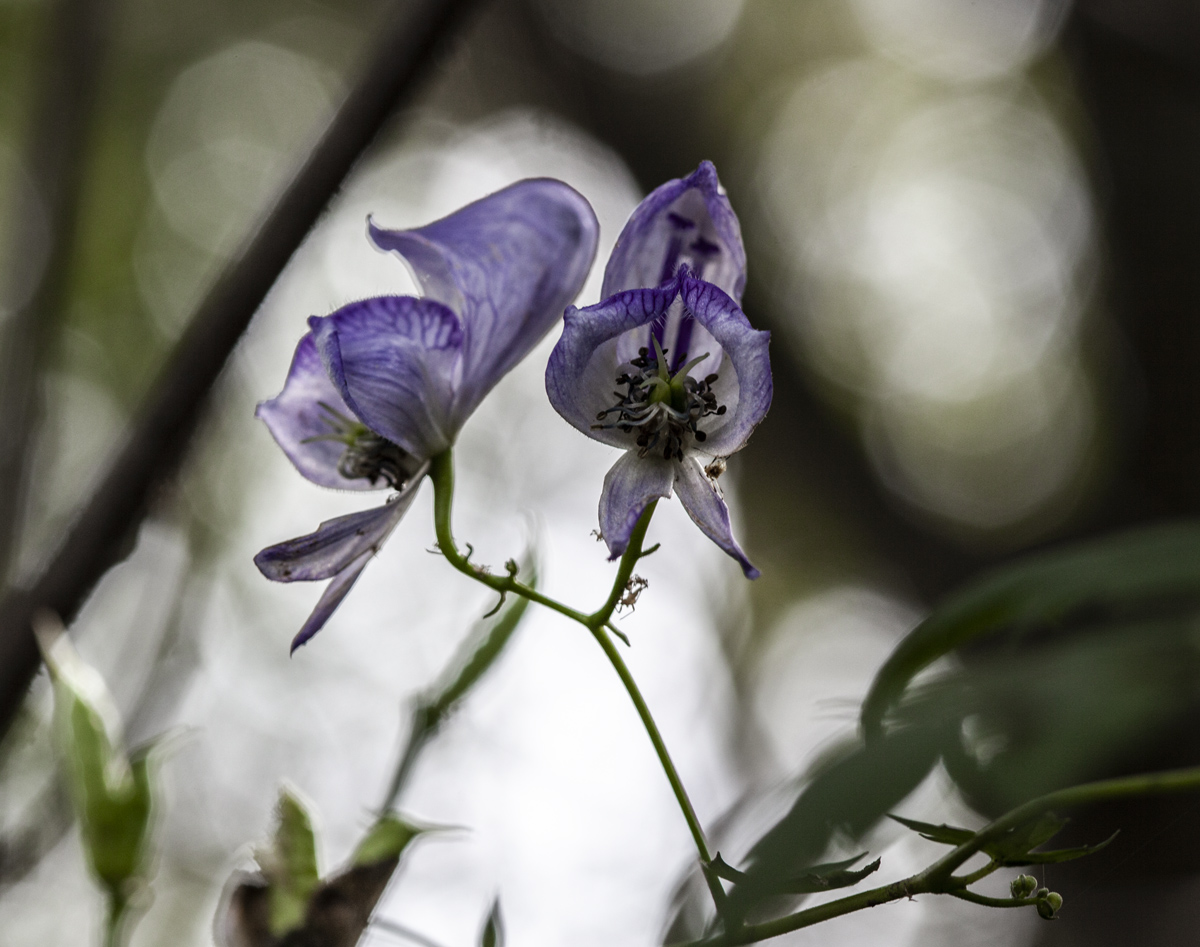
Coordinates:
685 221
335 543
330 599
707 508
747 394
508 265
582 368
395 361
301 418
629 487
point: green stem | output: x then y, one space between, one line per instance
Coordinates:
1178 780
441 472
937 878
114 920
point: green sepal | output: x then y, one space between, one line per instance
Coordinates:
945 834
111 793
1057 855
493 930
387 839
290 865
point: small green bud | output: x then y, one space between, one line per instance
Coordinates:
1048 906
1042 893
1023 886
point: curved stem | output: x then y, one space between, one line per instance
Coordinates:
441 472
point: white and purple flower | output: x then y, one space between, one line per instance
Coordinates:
667 366
383 385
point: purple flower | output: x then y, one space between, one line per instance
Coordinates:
667 366
381 386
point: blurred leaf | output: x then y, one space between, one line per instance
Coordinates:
818 880
290 865
482 648
112 794
493 930
388 838
1059 855
1023 839
1038 719
849 795
946 834
478 653
1117 577
288 906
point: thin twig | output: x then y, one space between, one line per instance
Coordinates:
410 42
41 236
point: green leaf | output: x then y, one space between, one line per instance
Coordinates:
1116 576
827 877
1019 841
946 834
849 796
387 839
290 865
1056 856
493 930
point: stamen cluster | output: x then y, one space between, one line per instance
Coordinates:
367 455
663 408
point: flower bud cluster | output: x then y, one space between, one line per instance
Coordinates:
1048 903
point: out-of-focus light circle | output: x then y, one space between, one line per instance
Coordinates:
230 128
938 244
641 37
961 39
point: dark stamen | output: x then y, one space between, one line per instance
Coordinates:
663 408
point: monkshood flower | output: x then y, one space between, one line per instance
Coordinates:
383 385
667 366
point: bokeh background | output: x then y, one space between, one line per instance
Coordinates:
974 231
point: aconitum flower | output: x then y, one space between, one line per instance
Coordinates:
667 366
383 385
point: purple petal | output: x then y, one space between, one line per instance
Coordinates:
583 366
336 542
508 265
629 487
331 598
747 394
395 359
707 508
689 221
295 416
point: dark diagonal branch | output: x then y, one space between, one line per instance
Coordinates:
409 43
41 236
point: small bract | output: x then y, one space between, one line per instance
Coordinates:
667 366
382 385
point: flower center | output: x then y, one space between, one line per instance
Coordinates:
367 455
663 407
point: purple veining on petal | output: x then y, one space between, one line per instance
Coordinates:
653 243
508 265
395 359
748 393
584 363
707 509
299 418
629 487
327 550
